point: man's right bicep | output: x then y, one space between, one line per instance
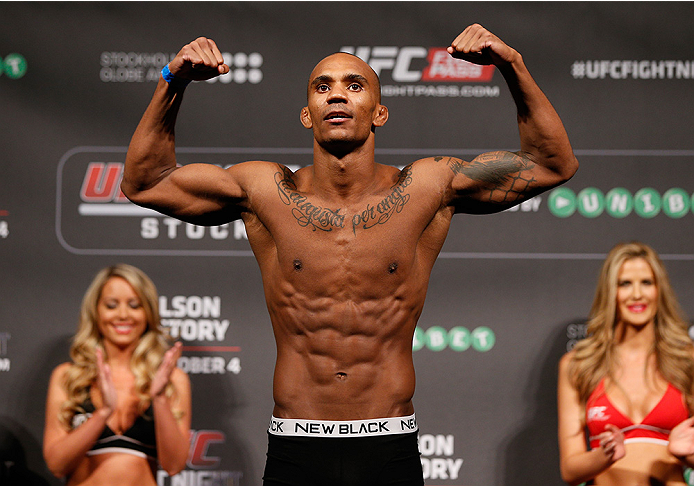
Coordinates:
196 193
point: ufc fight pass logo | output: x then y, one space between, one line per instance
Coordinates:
414 64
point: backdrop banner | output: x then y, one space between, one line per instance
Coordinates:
510 292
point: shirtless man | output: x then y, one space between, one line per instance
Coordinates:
344 321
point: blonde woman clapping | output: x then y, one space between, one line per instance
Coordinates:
121 407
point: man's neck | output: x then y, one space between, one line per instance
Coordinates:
344 175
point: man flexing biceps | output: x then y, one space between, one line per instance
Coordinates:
345 248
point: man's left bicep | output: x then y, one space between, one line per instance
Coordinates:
494 181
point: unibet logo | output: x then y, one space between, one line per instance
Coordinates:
620 203
14 66
459 339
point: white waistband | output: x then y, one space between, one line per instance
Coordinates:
649 440
120 450
343 428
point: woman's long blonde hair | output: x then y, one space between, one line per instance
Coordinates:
148 353
594 357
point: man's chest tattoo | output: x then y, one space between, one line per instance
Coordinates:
393 203
304 211
316 217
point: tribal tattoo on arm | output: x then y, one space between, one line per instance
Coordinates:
504 174
306 213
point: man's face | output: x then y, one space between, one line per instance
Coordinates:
343 101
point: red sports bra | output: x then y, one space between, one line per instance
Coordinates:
655 427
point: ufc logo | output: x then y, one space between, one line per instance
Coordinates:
396 59
200 441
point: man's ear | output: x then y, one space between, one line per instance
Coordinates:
305 117
381 116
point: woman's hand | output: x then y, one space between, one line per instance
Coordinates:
104 380
682 439
612 443
163 374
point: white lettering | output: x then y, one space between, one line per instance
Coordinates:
675 202
438 469
122 75
597 413
220 328
194 232
220 232
619 202
657 70
197 330
382 58
531 205
192 306
683 70
205 330
240 230
401 72
206 365
439 445
482 336
14 63
135 59
149 228
234 366
187 330
200 478
172 225
591 202
441 468
648 205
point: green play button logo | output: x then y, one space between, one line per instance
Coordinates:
562 202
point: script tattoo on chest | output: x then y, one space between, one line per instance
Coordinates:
504 173
389 205
306 213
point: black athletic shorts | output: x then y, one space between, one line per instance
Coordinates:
351 461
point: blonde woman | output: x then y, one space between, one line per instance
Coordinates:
629 385
121 406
